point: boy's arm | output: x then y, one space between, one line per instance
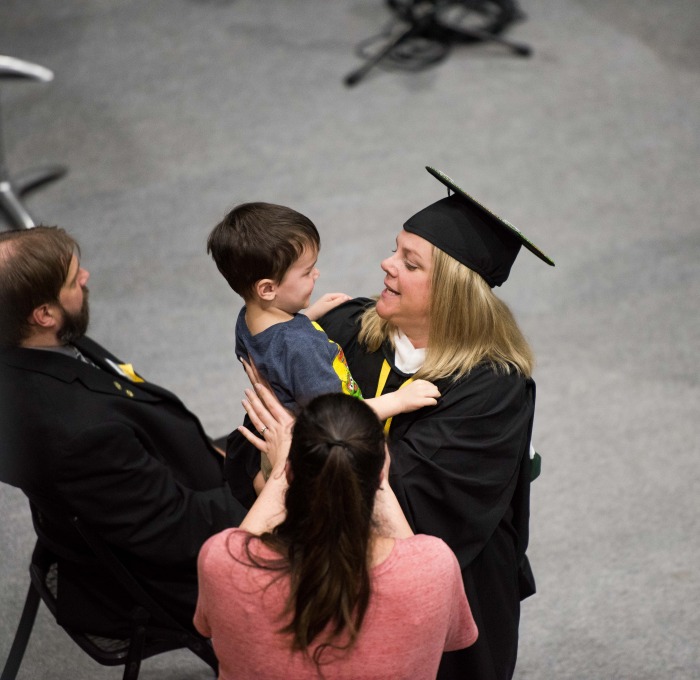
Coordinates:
324 305
411 397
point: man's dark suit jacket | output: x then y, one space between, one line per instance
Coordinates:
128 458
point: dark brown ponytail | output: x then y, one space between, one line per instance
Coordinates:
336 458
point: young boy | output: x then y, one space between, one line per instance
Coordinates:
267 253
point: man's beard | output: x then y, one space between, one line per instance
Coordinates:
75 325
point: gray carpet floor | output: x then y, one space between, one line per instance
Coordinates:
168 113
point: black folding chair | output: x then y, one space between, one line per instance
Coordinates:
152 630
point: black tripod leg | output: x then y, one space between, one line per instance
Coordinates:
485 36
355 76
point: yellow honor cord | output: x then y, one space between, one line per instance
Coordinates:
383 376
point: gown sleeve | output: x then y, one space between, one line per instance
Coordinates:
456 466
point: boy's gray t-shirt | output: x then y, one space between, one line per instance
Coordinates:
297 359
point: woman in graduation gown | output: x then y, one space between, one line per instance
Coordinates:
461 469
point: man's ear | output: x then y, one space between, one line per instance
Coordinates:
45 316
266 289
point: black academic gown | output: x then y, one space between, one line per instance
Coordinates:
127 457
461 471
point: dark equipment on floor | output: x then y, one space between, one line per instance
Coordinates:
424 31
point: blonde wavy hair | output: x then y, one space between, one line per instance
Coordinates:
469 325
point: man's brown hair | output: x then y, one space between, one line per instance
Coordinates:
34 266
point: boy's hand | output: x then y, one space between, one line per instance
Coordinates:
410 397
324 305
417 394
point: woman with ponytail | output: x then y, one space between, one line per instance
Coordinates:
324 578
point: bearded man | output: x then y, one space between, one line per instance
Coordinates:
83 434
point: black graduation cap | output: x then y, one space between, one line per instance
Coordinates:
472 234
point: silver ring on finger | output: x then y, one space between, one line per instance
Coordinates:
262 432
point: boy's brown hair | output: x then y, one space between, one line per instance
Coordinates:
259 241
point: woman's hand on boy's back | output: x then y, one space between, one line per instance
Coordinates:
324 305
273 424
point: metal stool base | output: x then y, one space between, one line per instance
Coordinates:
11 192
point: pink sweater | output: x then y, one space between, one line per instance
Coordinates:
417 610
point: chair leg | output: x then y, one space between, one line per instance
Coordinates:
24 629
132 666
205 652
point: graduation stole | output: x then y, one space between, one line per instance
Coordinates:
383 376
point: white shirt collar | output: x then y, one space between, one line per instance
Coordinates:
408 359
